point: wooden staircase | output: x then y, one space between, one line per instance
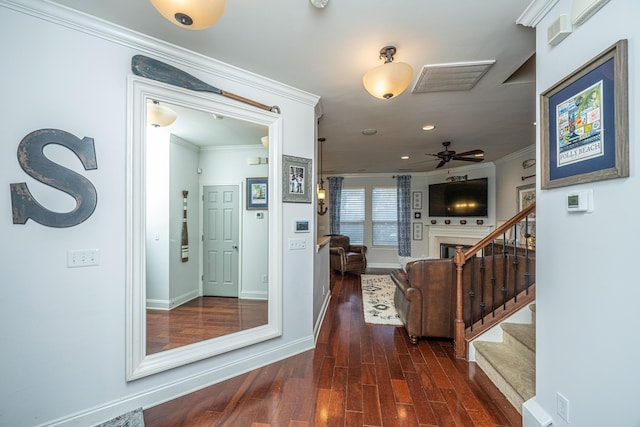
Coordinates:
511 363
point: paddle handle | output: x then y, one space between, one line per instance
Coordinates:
156 70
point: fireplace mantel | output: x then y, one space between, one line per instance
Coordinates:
454 234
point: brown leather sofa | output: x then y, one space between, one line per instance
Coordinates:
425 298
343 256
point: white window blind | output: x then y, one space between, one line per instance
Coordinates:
352 202
384 215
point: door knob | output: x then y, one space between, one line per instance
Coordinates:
235 246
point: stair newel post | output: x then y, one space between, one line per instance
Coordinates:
459 344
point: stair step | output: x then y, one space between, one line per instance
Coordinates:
520 334
511 368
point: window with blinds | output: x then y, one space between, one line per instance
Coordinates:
384 216
352 202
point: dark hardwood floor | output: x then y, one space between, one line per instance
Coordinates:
358 375
200 319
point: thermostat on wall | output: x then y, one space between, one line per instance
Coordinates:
302 227
580 201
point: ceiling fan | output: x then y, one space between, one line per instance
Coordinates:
447 155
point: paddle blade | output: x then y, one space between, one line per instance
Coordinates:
153 69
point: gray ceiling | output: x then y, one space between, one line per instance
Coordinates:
327 51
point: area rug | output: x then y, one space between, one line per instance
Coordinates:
377 300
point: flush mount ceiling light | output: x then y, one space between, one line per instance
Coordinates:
428 127
369 131
191 14
389 79
320 4
159 115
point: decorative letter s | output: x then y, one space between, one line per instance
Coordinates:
33 161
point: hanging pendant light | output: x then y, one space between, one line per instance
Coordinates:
159 115
389 79
191 14
322 194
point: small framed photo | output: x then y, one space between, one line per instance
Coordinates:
417 231
296 179
525 196
585 123
257 193
417 215
416 198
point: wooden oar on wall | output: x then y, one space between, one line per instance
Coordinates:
156 70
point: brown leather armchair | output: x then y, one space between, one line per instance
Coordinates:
344 256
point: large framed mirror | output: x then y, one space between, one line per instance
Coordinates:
200 281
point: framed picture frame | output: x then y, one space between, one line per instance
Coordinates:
416 198
296 179
525 196
585 123
257 193
417 231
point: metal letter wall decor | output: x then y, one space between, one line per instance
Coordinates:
33 161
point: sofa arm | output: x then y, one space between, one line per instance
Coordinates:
358 248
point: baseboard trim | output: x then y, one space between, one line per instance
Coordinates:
184 386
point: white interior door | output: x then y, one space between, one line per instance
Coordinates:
220 244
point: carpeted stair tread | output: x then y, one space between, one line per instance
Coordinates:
515 366
525 333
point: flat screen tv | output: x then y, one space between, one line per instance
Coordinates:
459 198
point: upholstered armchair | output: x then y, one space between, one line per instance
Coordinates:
346 257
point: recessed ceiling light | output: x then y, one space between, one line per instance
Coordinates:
405 157
428 127
369 131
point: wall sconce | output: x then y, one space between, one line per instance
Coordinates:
191 14
389 79
159 115
322 194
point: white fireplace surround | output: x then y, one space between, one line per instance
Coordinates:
454 234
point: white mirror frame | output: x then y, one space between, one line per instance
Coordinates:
138 363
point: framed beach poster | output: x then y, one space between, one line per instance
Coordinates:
257 196
585 124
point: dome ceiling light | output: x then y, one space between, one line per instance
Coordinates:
159 115
191 14
389 79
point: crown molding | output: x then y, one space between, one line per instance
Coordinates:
526 151
158 49
535 12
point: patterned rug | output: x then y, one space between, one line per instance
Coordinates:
377 300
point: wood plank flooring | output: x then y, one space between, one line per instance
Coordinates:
358 375
200 319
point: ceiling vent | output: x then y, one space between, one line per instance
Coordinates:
460 76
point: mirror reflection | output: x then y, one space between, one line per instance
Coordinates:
206 233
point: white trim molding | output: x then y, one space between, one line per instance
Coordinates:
535 12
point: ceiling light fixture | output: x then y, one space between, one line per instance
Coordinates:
320 4
322 194
428 127
369 131
159 115
191 14
389 79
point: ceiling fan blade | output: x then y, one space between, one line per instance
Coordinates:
441 164
468 159
470 153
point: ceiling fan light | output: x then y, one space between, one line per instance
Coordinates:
191 14
159 115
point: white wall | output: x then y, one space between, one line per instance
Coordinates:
62 329
587 286
509 173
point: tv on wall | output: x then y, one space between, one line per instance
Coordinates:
459 198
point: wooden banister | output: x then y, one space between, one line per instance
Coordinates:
461 258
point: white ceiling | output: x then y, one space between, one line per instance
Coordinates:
327 51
